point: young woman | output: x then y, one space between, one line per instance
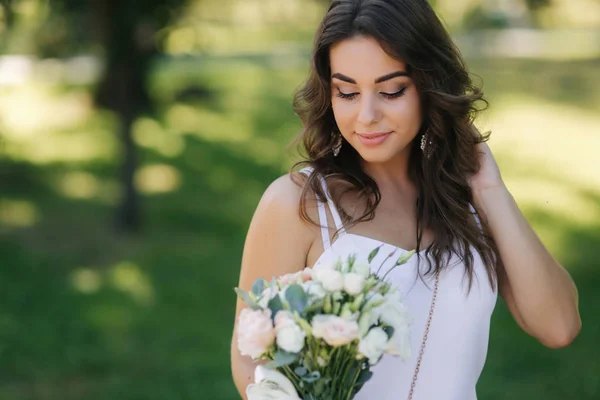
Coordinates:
393 159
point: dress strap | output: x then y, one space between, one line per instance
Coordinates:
322 212
476 215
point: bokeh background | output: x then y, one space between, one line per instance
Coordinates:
138 136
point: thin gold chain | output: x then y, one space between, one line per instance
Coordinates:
424 342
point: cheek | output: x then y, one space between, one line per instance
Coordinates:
343 113
406 112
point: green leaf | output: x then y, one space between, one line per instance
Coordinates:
247 299
281 359
373 254
275 306
258 286
313 376
300 371
389 331
363 377
349 378
296 298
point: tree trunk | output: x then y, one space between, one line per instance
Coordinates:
123 90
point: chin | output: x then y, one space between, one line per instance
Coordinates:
377 156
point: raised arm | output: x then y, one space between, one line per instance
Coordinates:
538 291
277 243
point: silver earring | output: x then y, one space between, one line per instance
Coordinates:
426 145
337 145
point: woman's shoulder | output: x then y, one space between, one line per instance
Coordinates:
283 199
286 191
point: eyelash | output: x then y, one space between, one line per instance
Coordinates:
394 95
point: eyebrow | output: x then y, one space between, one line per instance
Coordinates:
383 78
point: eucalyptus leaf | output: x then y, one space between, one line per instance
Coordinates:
281 359
313 376
300 371
258 286
296 298
275 306
389 331
247 299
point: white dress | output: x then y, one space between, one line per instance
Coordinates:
457 343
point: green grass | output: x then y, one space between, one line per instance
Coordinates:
86 313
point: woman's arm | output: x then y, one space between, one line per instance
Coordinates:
277 243
538 291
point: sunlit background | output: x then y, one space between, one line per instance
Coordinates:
138 136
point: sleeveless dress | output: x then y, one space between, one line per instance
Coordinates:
457 342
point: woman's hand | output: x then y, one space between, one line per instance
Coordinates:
488 176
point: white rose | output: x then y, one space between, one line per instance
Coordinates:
313 288
373 345
367 320
331 279
353 283
336 331
393 311
321 267
399 343
289 336
362 268
395 314
270 385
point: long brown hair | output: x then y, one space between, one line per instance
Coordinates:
407 30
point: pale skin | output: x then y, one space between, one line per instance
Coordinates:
537 290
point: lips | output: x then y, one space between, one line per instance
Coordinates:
373 139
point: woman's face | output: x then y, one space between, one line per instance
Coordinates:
375 103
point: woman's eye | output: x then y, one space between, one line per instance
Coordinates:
395 95
346 95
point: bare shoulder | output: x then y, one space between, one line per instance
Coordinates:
278 239
282 199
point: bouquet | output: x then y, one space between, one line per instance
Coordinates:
321 329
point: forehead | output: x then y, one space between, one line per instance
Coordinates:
363 59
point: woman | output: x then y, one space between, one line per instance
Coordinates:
393 159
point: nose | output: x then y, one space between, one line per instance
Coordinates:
368 113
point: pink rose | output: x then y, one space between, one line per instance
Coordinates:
296 277
255 332
306 274
336 331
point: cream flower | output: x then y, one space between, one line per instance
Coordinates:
373 345
336 331
354 283
255 333
289 336
270 385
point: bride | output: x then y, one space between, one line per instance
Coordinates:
393 159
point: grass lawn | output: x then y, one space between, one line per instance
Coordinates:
86 313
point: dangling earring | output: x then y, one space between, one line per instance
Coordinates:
426 144
337 146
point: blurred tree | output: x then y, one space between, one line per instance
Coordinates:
126 31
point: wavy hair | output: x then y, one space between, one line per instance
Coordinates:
410 31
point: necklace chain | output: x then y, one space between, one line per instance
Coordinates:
424 342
